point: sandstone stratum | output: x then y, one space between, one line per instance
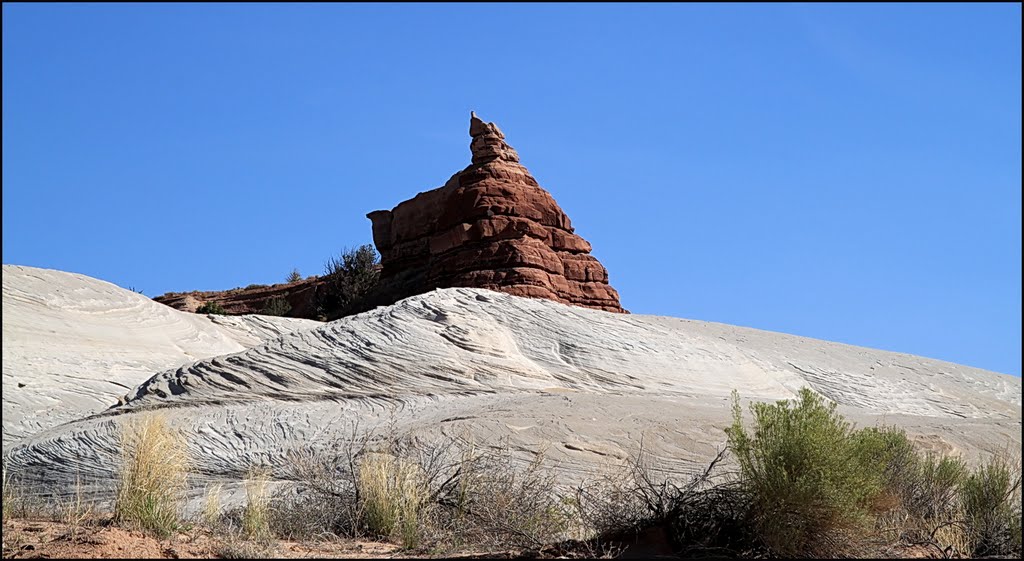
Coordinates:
490 226
254 299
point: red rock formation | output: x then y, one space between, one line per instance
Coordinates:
300 295
490 226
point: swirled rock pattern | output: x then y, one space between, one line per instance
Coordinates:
490 226
584 386
74 345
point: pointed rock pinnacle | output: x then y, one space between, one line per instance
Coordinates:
488 142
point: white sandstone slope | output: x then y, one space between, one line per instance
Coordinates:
74 345
582 385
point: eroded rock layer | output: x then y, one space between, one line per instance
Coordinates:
254 299
490 226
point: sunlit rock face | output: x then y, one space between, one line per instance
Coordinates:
490 226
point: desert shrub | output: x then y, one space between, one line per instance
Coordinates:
153 476
928 488
276 306
495 503
294 276
809 476
348 283
255 286
991 500
324 500
211 308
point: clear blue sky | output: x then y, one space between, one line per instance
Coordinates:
844 172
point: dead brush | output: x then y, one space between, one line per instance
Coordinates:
503 505
430 494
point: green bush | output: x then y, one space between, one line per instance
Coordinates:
810 477
255 285
211 308
928 488
348 283
293 276
991 502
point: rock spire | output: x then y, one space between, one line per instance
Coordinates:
490 226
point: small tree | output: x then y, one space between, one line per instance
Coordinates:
276 306
348 282
294 276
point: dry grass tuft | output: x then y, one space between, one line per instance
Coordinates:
10 496
211 511
393 493
76 511
153 476
256 514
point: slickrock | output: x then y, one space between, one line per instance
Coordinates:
73 345
490 226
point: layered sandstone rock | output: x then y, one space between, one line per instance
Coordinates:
300 295
490 226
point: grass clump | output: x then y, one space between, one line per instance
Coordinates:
12 499
153 476
256 514
211 511
393 495
76 511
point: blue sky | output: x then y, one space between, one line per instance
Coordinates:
845 172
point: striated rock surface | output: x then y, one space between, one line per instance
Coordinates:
300 295
74 345
490 226
580 387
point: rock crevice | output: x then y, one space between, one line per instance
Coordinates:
490 226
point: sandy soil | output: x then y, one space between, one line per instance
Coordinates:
97 539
